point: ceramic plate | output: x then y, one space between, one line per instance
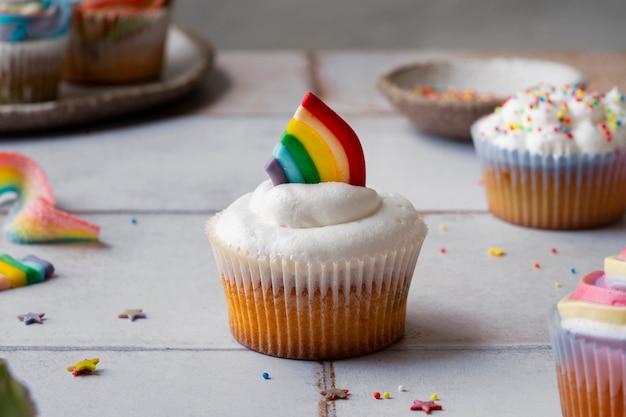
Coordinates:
187 60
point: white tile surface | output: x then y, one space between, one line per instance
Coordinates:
475 331
260 82
204 163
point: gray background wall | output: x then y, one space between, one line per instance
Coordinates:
375 24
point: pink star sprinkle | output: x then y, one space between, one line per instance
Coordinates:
425 406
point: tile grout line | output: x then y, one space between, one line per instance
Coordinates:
325 372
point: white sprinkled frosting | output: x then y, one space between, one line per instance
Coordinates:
547 120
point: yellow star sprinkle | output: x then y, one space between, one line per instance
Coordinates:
84 367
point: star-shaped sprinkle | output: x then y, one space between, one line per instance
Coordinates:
335 393
84 367
425 406
30 318
133 314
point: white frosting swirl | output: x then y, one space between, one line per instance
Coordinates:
312 205
318 222
559 121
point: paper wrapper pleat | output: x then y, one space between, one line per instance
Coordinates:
30 71
316 310
590 372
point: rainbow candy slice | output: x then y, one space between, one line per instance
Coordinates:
19 272
33 218
317 146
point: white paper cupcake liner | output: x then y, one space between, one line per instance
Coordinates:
316 310
590 372
30 71
556 192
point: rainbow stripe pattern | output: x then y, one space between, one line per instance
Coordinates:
317 146
33 217
26 271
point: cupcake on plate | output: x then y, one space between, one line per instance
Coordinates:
314 264
117 41
33 41
555 158
588 333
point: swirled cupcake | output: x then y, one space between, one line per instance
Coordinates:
314 264
117 41
588 332
555 158
33 41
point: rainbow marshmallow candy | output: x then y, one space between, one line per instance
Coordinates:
20 272
33 218
317 146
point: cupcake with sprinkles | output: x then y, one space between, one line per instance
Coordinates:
117 41
555 157
588 333
314 264
33 42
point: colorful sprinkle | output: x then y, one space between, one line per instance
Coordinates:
265 375
442 250
442 227
401 388
386 395
30 318
84 367
553 250
133 220
434 397
132 314
425 406
557 284
572 270
496 251
377 395
335 394
445 93
536 265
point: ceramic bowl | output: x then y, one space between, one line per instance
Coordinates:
445 97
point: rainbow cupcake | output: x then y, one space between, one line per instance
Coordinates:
33 41
588 333
555 158
117 41
315 265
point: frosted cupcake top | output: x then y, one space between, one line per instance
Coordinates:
316 207
598 305
318 222
547 120
24 20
